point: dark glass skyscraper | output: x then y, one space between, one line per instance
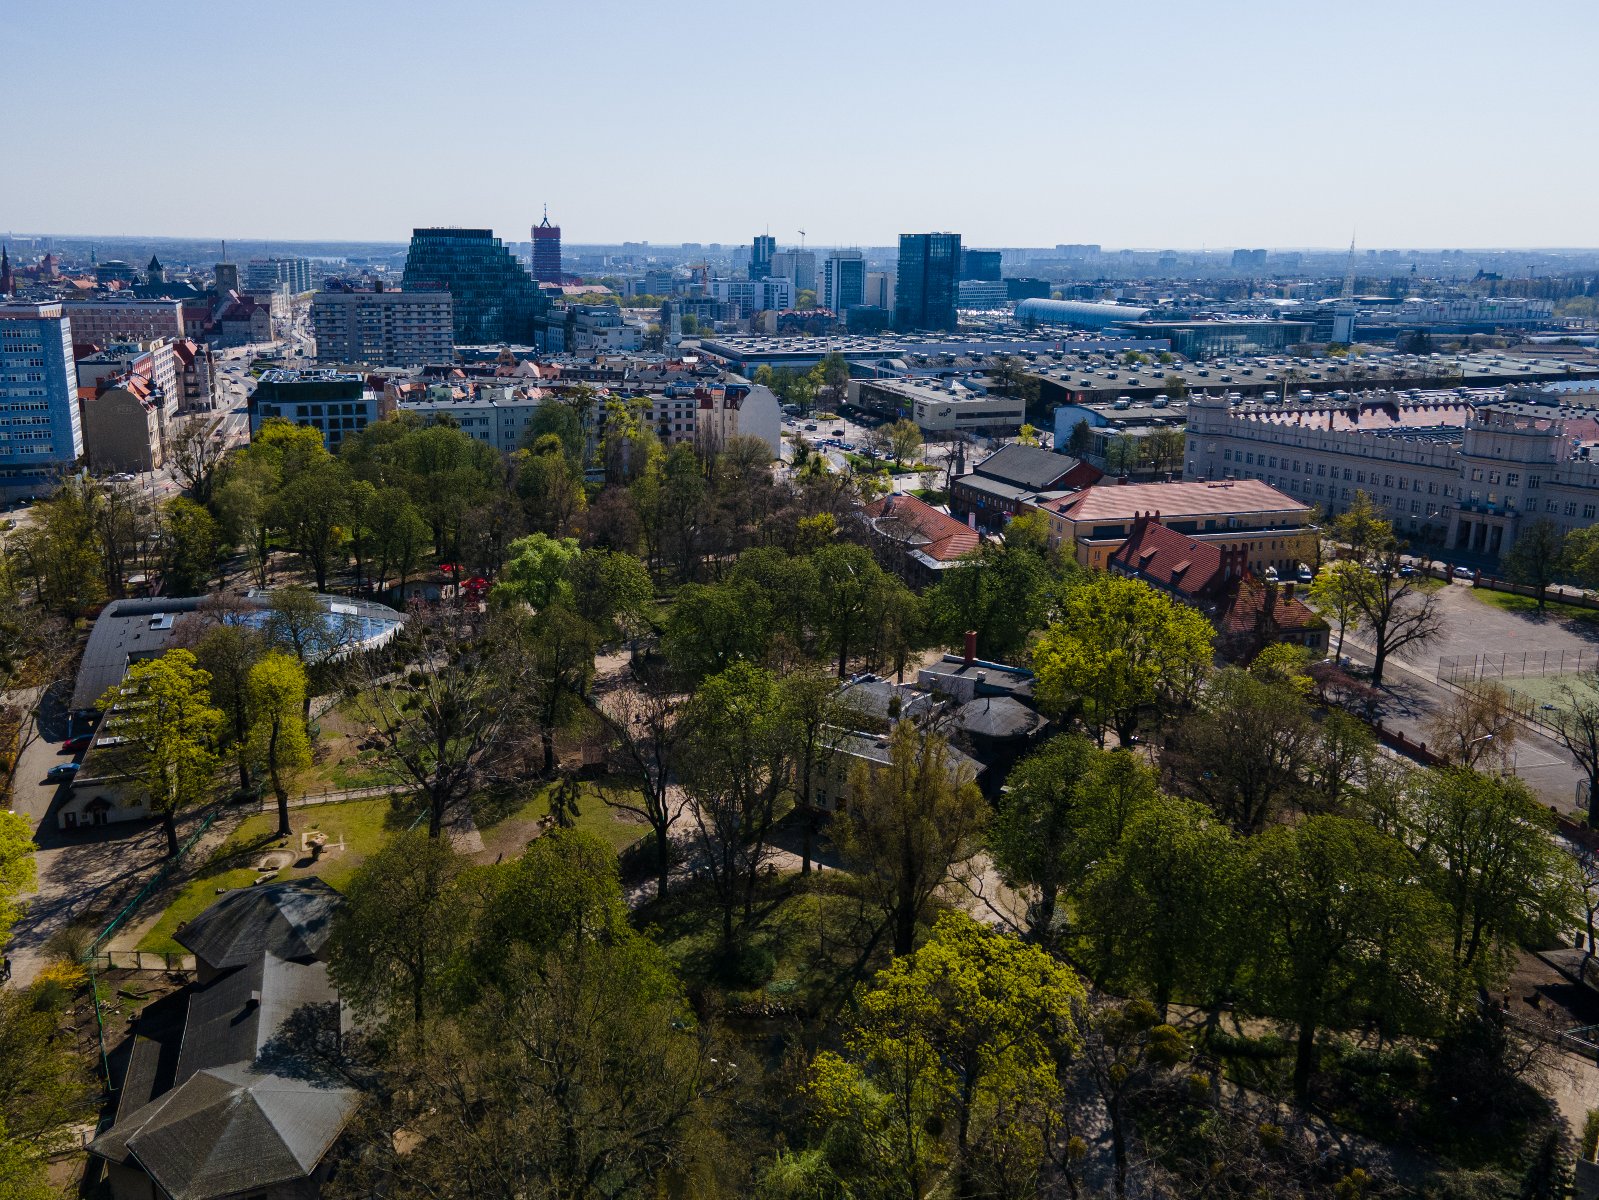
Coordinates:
980 264
929 274
494 298
761 251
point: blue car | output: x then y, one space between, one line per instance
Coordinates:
64 771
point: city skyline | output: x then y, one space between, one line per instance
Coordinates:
1236 125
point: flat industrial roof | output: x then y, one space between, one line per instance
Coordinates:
1111 502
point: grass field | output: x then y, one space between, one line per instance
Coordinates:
1526 606
1545 692
364 826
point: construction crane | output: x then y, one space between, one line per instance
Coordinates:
802 239
1345 310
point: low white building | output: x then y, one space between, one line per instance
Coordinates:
499 416
737 409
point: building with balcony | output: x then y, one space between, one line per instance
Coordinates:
383 328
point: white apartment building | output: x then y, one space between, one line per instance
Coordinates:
601 329
737 409
1460 473
499 416
383 329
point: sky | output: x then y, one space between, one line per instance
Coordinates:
1156 124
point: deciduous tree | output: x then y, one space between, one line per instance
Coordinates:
278 740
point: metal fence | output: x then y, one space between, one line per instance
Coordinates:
1469 668
139 960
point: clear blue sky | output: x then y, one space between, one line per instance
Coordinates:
1425 123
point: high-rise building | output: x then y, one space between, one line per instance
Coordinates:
980 264
547 251
880 290
40 429
929 266
798 266
843 280
383 329
270 274
761 251
494 298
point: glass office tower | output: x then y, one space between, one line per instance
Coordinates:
929 274
495 298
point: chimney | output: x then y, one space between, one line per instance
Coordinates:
971 646
1288 590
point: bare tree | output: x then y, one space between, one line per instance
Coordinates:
1575 722
454 720
196 452
1400 616
1478 727
646 735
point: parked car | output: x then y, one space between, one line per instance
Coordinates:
1306 575
74 744
62 771
1465 573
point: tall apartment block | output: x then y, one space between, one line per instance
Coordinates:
495 299
41 433
929 274
547 251
383 329
269 274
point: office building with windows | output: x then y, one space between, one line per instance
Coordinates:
798 266
547 251
383 328
272 274
761 251
108 322
333 403
926 291
1452 473
494 298
980 264
41 432
843 281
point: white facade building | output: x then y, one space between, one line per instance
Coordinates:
499 416
383 329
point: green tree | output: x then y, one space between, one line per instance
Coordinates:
1581 555
713 626
819 720
57 552
550 487
189 547
950 1061
538 573
1342 920
44 1091
1537 556
312 507
18 872
1492 859
850 592
909 823
560 647
738 768
1081 439
1363 529
398 938
226 651
1002 592
163 708
563 421
1334 592
1399 615
1575 722
904 440
1064 806
613 591
1164 906
278 740
1120 651
1246 750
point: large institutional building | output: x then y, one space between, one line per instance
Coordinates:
1449 473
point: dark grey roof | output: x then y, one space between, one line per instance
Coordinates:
232 1019
998 717
289 920
1030 467
231 1129
125 631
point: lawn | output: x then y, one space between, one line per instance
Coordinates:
364 826
1526 606
1546 692
619 830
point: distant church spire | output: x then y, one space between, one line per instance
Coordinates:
8 284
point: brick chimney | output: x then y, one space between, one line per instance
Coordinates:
971 647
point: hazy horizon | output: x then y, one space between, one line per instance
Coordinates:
1185 127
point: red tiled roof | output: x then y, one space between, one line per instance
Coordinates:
1170 559
922 527
1246 609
